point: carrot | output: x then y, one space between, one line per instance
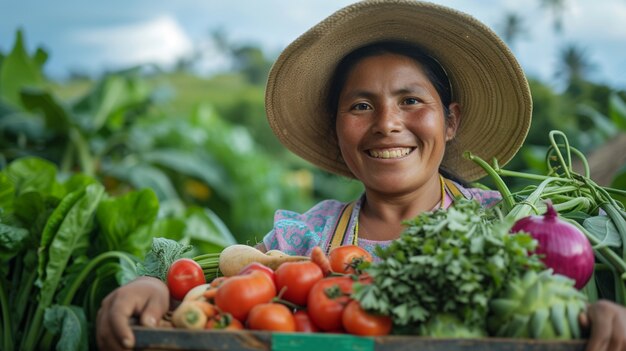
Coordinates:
319 257
189 315
235 257
209 294
196 292
217 281
208 308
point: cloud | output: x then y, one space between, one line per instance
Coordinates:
159 40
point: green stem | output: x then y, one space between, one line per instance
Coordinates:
525 207
581 203
34 330
22 300
515 174
6 322
207 256
84 156
583 159
68 156
567 166
85 272
615 191
507 197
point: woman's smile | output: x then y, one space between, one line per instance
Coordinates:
390 153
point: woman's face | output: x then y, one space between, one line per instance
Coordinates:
390 124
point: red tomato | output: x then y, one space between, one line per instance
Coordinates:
271 316
297 278
224 321
326 302
255 266
184 274
238 294
357 321
341 258
304 324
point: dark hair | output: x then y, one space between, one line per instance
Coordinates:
433 70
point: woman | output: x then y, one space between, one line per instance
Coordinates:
390 93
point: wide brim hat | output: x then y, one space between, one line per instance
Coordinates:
486 80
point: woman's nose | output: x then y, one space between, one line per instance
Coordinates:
388 120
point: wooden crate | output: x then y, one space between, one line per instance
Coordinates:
178 339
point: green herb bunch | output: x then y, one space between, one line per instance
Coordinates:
447 261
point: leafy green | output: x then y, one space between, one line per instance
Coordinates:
70 322
11 241
447 261
122 218
19 70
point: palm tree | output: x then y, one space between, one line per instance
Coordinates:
574 66
557 8
512 28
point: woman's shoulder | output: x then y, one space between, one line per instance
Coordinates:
323 209
297 233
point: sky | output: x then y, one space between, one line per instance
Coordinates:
92 36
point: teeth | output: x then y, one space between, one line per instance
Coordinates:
390 153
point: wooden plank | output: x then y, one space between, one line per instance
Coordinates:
167 339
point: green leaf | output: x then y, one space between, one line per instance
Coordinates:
34 174
145 176
603 228
126 273
18 71
617 111
7 192
12 240
206 231
54 222
71 235
199 165
71 324
601 123
122 218
55 114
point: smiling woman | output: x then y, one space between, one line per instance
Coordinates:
390 93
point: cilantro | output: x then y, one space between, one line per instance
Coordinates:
447 261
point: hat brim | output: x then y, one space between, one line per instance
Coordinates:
486 79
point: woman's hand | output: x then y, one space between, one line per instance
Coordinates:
145 297
608 326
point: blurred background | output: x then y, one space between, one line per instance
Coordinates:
169 95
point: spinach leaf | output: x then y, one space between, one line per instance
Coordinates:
34 174
71 324
123 218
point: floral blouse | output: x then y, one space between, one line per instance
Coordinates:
297 234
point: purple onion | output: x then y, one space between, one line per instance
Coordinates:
564 247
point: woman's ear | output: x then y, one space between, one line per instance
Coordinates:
453 120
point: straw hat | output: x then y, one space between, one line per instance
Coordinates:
486 80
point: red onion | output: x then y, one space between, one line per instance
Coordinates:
565 248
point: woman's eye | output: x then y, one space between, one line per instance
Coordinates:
361 106
411 101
